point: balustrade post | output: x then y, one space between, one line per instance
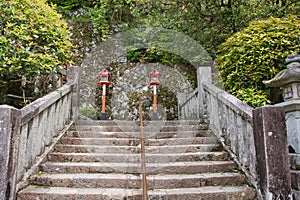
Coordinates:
204 76
10 120
73 76
272 165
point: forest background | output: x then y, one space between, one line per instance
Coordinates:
248 40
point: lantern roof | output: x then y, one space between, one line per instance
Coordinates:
289 75
154 78
104 71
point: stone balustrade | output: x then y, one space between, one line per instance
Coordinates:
231 121
251 136
26 132
189 109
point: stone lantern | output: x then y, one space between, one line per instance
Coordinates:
288 79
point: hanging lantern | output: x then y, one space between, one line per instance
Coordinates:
154 78
104 77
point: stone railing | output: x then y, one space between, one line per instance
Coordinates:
231 121
189 109
251 136
26 133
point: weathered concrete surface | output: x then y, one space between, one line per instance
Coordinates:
107 165
272 153
231 121
133 158
43 119
10 119
134 168
295 161
99 180
295 176
204 193
189 109
292 110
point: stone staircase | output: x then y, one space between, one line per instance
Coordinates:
101 160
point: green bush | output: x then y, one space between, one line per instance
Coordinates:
257 53
89 112
72 4
34 41
253 97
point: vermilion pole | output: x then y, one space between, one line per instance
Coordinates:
155 115
103 116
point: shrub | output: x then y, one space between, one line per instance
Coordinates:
72 4
90 112
34 41
253 97
257 53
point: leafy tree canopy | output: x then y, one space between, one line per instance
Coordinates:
34 41
209 22
212 22
255 54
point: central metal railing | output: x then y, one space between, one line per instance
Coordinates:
144 172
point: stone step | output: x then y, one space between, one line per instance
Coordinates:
295 176
295 161
150 157
102 160
135 168
136 149
201 193
136 141
153 135
146 123
136 128
131 181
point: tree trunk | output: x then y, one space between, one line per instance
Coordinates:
3 92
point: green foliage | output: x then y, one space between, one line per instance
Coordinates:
104 14
209 22
253 97
90 112
153 55
69 5
100 18
107 14
257 53
34 40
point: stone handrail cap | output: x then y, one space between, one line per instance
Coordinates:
292 58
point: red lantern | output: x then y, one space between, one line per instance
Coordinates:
104 77
154 78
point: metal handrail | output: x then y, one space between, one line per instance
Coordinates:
144 172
